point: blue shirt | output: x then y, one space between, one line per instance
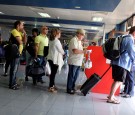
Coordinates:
127 57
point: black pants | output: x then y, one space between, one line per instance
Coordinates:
7 65
54 69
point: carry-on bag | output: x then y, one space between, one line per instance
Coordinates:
35 69
91 82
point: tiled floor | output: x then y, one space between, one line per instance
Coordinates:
36 100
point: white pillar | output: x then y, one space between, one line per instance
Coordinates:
103 34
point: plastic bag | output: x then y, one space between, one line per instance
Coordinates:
65 68
47 69
81 78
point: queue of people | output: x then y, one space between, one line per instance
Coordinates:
35 45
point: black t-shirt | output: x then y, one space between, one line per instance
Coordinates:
30 46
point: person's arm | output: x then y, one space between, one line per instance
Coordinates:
36 49
131 49
74 47
24 37
20 44
76 51
59 48
36 46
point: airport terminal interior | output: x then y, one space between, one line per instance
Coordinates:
98 21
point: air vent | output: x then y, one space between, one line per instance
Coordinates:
100 13
37 8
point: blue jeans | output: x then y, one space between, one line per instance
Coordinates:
42 60
42 63
14 64
72 77
129 83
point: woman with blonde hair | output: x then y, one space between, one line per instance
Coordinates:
55 57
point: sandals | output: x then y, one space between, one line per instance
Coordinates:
113 101
113 98
52 89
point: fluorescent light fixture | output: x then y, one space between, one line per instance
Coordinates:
97 19
94 28
1 13
57 25
128 27
77 7
44 15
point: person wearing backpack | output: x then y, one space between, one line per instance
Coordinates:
30 48
17 39
122 65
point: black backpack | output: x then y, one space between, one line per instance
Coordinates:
12 48
112 48
11 51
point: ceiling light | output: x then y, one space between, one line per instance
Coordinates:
97 19
44 15
1 13
94 28
77 7
57 25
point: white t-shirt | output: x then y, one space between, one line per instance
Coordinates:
75 59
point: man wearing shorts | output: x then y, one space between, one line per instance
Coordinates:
123 64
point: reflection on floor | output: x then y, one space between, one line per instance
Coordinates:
36 100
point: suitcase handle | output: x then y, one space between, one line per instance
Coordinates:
106 71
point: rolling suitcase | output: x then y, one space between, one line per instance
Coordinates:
91 82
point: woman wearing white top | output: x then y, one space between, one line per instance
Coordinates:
54 57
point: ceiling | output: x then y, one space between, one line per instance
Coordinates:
69 14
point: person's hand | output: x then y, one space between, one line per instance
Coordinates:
23 31
85 50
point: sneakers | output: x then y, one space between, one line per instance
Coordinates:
52 89
127 96
14 87
70 92
5 74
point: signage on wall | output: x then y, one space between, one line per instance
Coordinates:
129 23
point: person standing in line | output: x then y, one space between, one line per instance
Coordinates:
55 57
18 38
75 59
30 48
40 42
129 84
122 65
